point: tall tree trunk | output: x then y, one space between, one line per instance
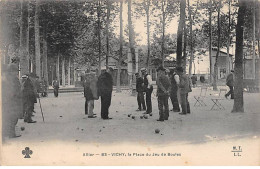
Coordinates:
148 32
118 85
191 40
28 36
24 60
3 34
69 70
63 71
215 75
180 33
45 55
253 66
228 42
131 34
163 30
37 41
210 41
99 37
238 79
107 32
184 47
58 67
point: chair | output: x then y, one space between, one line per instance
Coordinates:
200 99
216 101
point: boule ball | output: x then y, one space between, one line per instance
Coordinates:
151 114
129 115
145 116
133 117
22 128
157 131
141 117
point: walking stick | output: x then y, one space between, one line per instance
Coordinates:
41 109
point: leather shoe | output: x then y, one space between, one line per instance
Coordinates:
109 118
92 116
160 120
182 113
31 121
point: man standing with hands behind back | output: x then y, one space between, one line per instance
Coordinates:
105 88
148 88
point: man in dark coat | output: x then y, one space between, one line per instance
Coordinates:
56 87
230 84
11 100
105 88
175 80
194 80
163 88
148 87
140 92
184 88
29 98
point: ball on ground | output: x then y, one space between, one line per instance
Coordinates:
157 131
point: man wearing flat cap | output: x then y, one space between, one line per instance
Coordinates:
163 87
148 88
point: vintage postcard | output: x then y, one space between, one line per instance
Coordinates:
130 82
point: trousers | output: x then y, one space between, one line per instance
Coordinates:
174 100
105 104
148 99
185 106
163 107
231 92
140 101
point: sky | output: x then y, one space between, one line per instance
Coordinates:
140 28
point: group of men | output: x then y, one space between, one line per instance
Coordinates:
98 87
174 84
18 98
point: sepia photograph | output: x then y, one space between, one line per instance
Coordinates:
130 82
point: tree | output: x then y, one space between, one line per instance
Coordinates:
24 65
145 6
191 34
238 82
215 75
37 40
180 33
118 85
107 32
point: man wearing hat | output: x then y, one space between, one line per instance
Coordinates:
148 88
140 92
184 88
230 84
29 98
105 88
163 87
56 86
11 100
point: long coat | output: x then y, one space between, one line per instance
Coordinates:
105 83
90 87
